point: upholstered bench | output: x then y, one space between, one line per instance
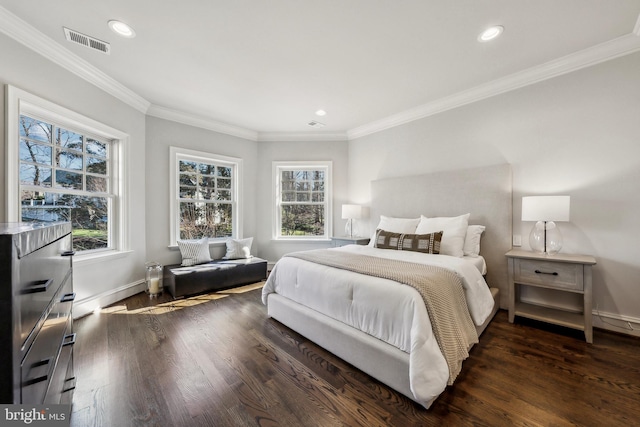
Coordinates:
212 276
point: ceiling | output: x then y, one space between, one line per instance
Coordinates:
260 69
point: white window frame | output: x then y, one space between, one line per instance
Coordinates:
175 155
277 168
20 102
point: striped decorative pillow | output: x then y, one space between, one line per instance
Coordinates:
427 243
194 251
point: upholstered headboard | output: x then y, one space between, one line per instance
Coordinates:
483 192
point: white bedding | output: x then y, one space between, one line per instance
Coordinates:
382 308
479 262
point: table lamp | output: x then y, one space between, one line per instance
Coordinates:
351 212
545 236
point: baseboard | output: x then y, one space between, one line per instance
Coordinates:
88 305
616 323
601 319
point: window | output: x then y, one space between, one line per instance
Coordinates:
65 168
64 176
302 200
204 196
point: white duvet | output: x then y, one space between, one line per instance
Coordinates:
392 312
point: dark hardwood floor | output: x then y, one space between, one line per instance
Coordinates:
217 360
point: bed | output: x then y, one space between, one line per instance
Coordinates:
383 327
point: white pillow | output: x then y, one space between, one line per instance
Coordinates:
194 251
238 248
472 240
396 225
454 230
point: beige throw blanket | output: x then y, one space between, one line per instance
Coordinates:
441 290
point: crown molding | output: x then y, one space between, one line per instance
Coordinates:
201 122
29 36
606 51
22 32
213 125
302 136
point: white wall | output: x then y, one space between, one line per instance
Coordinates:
162 134
577 134
99 282
24 69
268 152
257 163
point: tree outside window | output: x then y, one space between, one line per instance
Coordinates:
206 200
204 195
302 200
64 176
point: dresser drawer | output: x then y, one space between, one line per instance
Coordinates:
41 274
69 384
64 368
39 363
552 274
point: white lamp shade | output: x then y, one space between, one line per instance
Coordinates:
545 208
351 211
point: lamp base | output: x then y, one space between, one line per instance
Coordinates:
350 228
545 238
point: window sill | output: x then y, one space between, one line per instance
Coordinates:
99 257
301 240
174 247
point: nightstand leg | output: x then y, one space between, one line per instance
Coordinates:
588 309
512 292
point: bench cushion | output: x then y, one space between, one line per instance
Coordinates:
215 275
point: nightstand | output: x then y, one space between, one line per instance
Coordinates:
559 272
346 240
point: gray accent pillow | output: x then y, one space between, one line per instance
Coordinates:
239 248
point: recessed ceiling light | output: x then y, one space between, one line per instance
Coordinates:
490 33
122 29
321 113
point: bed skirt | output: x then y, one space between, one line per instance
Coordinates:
380 360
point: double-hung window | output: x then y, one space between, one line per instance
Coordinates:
302 200
204 194
65 168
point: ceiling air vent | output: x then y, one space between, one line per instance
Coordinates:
87 41
315 124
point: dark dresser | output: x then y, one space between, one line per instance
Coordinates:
36 325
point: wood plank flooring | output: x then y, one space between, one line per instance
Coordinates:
217 360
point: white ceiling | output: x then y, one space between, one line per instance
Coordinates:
261 68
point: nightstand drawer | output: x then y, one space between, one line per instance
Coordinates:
550 273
